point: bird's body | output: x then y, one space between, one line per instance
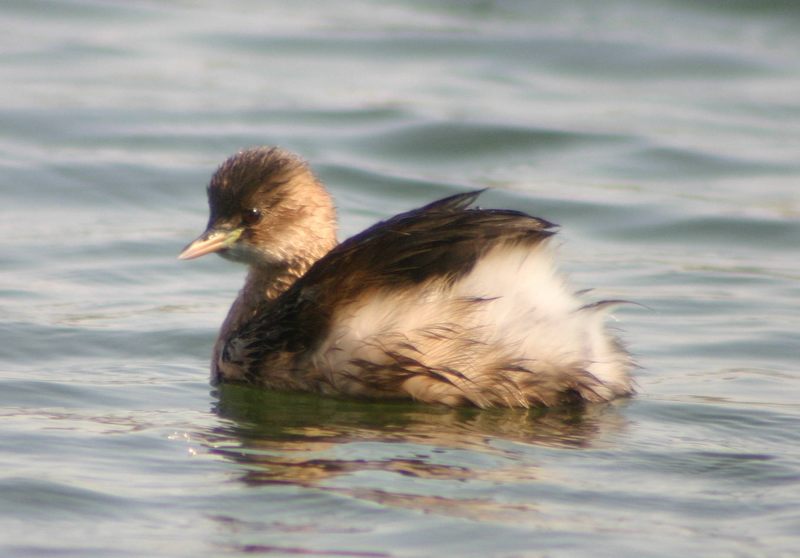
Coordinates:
442 304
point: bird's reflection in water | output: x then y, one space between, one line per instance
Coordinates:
311 441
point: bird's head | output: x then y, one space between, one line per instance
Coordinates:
266 208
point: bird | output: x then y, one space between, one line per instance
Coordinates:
446 304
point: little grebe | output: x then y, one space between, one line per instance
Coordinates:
443 304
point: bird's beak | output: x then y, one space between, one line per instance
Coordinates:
213 240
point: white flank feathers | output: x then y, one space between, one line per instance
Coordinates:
513 309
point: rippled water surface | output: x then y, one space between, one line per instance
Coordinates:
663 136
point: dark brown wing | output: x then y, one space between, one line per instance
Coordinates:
443 240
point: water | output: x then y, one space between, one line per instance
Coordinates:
663 136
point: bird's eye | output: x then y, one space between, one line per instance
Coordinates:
251 216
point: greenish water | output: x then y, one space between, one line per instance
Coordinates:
663 136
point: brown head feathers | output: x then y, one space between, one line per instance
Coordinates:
239 180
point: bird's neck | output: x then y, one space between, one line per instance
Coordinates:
263 285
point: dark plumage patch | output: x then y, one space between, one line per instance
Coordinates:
443 239
238 180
